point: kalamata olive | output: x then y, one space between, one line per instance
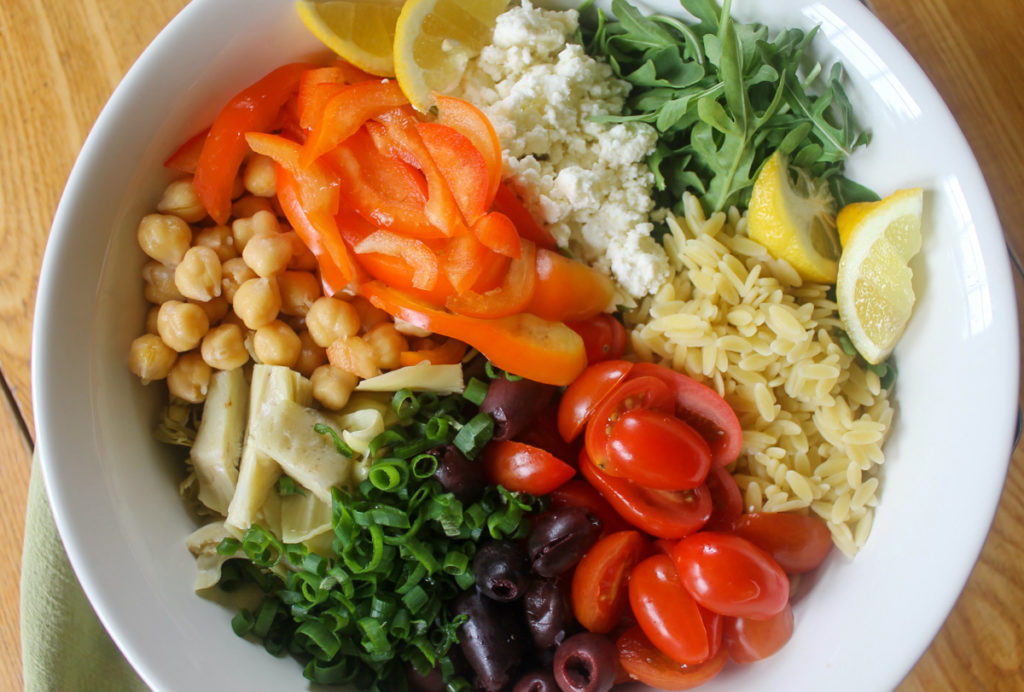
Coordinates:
492 640
536 681
586 662
548 613
431 682
559 538
514 403
458 475
501 570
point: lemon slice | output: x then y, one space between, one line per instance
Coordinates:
435 39
794 222
874 288
360 31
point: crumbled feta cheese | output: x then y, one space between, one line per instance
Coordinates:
587 181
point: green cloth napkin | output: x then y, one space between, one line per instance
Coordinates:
63 645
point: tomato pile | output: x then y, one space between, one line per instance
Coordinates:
409 208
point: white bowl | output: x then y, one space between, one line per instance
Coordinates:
113 489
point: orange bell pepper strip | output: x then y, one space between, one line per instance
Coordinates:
254 109
508 203
497 232
567 290
448 353
347 110
511 297
522 344
318 86
462 166
420 257
469 120
463 260
186 157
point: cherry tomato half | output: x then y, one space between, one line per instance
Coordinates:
661 513
634 393
604 337
657 450
798 543
599 584
726 500
586 392
703 409
644 662
523 468
730 575
749 640
579 493
666 612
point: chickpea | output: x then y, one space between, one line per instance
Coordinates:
299 290
198 275
246 206
302 257
234 273
355 355
180 198
164 237
149 358
369 315
277 344
311 356
259 176
257 302
151 319
260 223
215 309
223 347
159 286
217 238
329 319
332 386
268 255
181 325
189 378
232 318
387 344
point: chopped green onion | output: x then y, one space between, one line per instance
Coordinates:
389 474
286 485
475 391
423 466
228 546
405 404
243 622
339 444
476 433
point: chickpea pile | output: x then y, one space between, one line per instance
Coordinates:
225 295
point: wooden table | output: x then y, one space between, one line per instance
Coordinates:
59 62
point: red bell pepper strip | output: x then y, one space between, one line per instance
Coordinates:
415 252
508 299
186 158
346 112
508 203
462 166
522 344
469 120
319 85
254 109
567 290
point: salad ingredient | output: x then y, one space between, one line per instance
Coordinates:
874 288
599 583
726 500
501 570
604 337
661 513
724 96
586 393
559 538
434 39
730 575
189 378
568 290
217 449
458 475
798 543
796 222
648 393
666 613
150 359
585 662
491 639
164 237
645 663
514 403
749 639
536 681
524 468
584 180
360 31
579 493
548 614
181 325
813 417
657 450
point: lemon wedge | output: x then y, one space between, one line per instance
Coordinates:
435 39
360 31
873 287
794 222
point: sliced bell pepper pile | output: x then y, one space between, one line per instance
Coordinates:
408 209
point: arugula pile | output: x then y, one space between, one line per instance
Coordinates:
724 96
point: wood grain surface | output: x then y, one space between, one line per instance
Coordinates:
60 61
